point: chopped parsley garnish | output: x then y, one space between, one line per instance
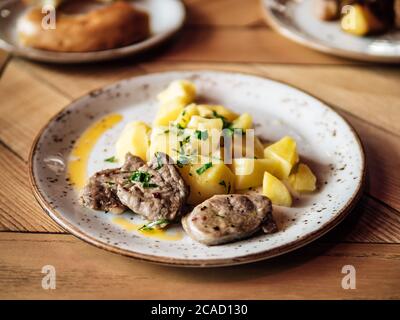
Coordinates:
222 183
150 226
201 135
142 177
225 122
111 159
202 169
231 131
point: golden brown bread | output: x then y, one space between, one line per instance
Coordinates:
107 27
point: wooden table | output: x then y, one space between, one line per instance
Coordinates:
226 35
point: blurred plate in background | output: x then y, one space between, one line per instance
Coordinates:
296 21
166 18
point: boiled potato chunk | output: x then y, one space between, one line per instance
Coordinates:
285 152
360 21
303 179
250 172
207 179
168 112
200 123
186 114
245 121
172 100
276 191
163 140
134 139
242 146
209 111
179 90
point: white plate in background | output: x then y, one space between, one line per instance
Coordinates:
166 18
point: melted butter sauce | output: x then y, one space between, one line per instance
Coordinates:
155 233
77 173
77 166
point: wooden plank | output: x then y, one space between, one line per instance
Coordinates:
224 13
103 275
19 210
27 104
370 222
73 81
383 161
248 45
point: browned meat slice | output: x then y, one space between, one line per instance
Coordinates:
100 193
226 218
155 190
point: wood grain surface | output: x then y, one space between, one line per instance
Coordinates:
222 35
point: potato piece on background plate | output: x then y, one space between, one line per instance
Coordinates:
360 21
302 179
285 152
249 173
134 139
276 191
207 179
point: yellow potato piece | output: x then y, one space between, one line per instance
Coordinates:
285 152
134 139
207 181
303 179
179 90
276 191
200 123
210 111
169 112
360 21
245 121
186 114
164 140
249 173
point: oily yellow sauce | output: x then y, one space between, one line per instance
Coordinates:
155 233
77 166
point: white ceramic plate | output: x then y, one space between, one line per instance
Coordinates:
326 142
295 19
166 18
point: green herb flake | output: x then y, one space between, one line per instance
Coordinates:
111 159
202 169
201 135
222 183
225 122
140 176
157 223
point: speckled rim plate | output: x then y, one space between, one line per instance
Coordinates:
326 142
295 20
166 18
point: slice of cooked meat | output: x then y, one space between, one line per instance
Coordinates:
100 193
226 218
155 190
